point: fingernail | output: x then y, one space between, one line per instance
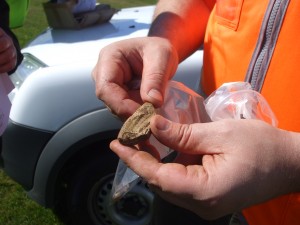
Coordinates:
153 93
162 124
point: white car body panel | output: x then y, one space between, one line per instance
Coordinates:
57 46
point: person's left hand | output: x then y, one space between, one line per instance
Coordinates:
240 163
8 53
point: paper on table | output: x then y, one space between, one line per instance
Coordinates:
6 86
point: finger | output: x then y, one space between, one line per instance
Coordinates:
110 75
186 138
8 54
147 147
163 176
5 42
134 159
8 59
5 68
119 101
160 64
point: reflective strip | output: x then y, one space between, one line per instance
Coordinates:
266 43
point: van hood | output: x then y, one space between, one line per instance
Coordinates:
64 46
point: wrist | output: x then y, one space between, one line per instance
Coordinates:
182 22
163 27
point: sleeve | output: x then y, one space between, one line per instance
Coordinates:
4 24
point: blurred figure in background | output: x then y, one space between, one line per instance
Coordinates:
10 52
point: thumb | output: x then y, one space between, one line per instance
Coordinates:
185 138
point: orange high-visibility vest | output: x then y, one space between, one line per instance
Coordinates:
234 48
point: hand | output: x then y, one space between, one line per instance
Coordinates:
242 162
133 71
8 53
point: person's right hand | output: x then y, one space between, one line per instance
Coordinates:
133 71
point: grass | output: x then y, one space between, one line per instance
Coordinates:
15 207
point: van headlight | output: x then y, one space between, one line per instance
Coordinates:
29 65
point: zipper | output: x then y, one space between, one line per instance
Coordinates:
266 43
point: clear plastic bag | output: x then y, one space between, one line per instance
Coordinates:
181 105
237 100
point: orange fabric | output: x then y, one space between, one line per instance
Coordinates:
231 37
210 3
280 211
230 40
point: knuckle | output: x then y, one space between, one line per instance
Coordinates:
185 134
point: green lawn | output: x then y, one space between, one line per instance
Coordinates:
15 207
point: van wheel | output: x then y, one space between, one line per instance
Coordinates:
89 196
